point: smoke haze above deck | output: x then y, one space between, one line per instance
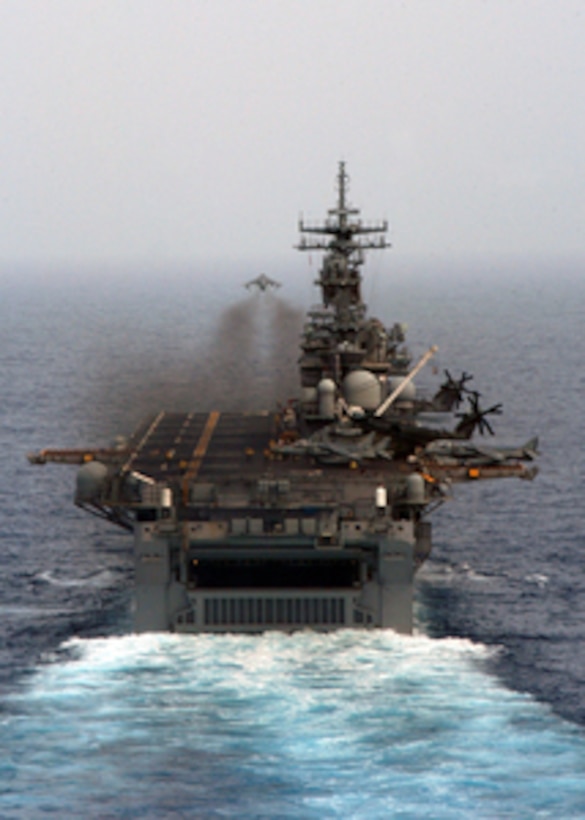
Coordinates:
165 132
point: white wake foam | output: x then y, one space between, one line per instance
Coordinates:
350 724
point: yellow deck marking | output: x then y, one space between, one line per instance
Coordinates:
199 452
143 441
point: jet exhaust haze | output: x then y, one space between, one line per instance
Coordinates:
247 364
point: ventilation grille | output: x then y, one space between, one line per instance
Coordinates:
274 611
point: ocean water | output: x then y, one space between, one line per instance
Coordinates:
346 725
481 713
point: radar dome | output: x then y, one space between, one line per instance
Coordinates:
408 392
90 480
362 388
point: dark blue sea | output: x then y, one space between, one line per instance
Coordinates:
480 714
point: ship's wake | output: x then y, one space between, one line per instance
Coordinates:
344 724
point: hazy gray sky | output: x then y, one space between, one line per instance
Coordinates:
176 130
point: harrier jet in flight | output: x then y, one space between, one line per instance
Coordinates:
262 282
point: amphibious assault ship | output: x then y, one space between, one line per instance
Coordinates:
314 513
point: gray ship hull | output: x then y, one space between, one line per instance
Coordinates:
229 537
243 584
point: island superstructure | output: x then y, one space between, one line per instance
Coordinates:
311 514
